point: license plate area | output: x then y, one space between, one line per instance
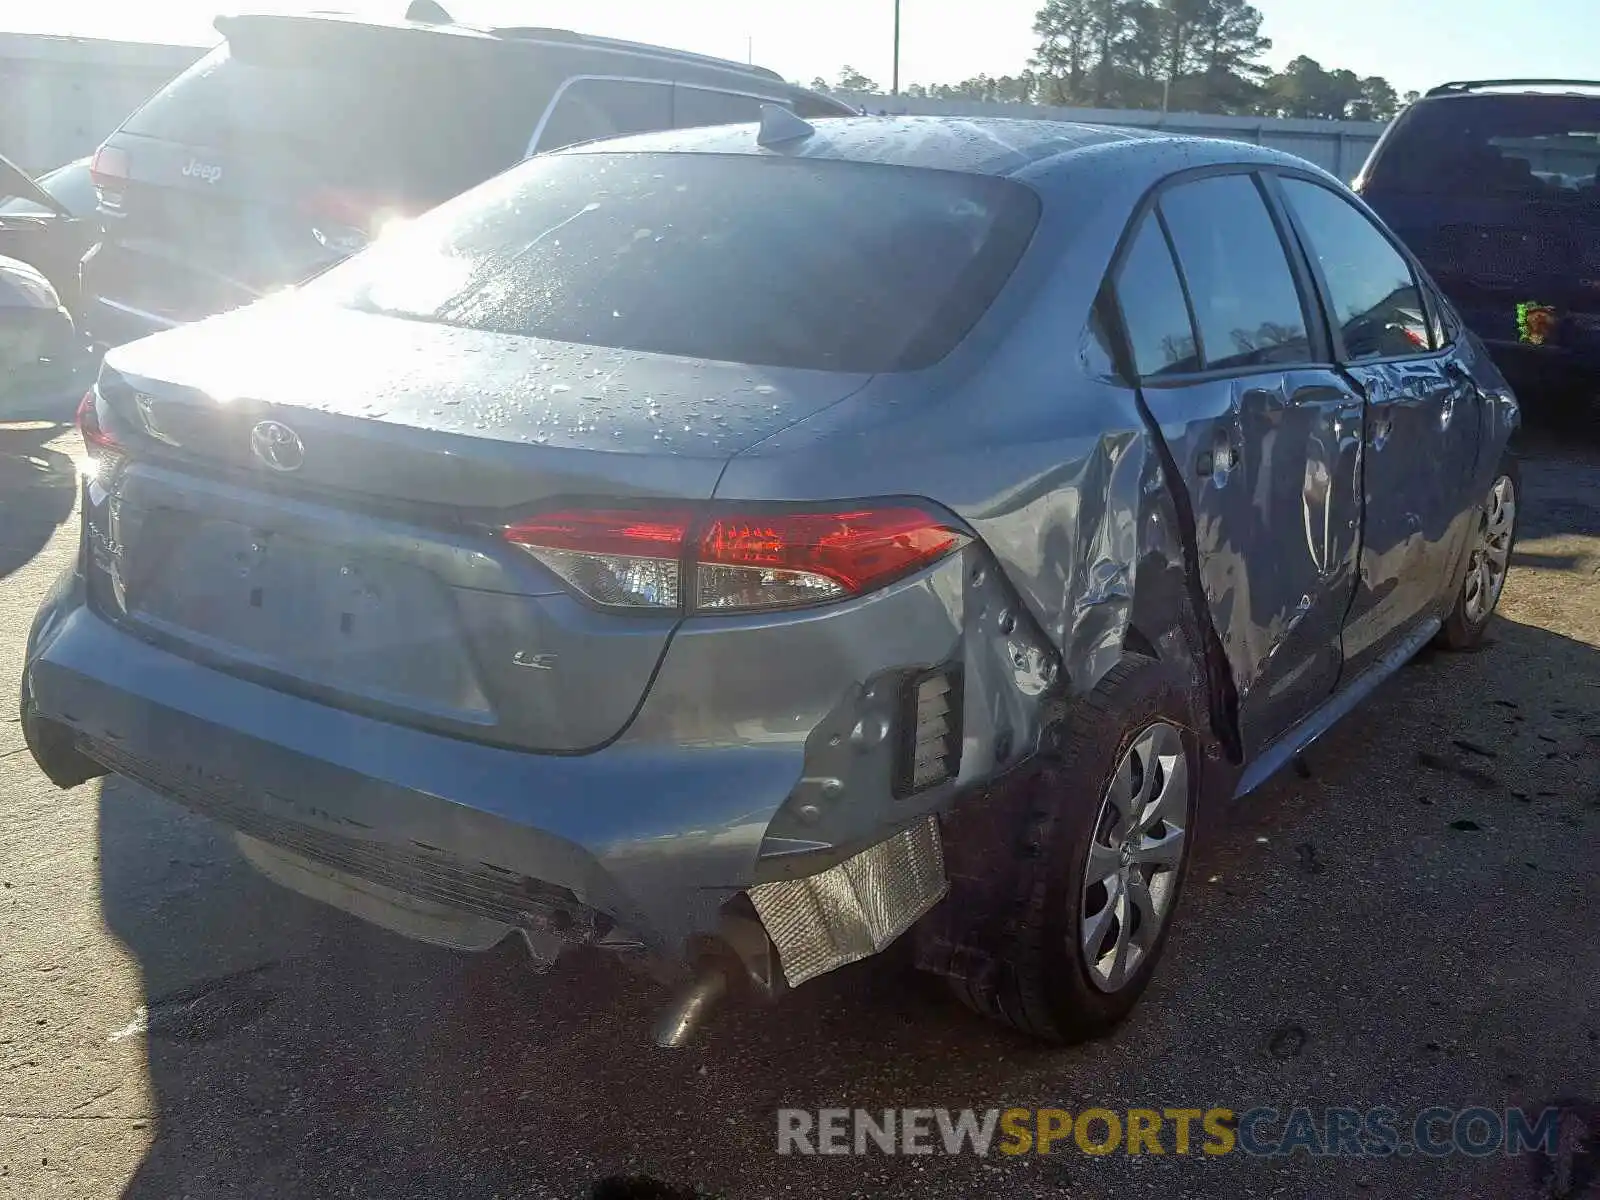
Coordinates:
360 624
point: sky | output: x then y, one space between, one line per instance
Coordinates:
1413 43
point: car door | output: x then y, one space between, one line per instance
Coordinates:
1422 426
1262 427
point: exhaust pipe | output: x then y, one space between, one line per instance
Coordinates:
688 1011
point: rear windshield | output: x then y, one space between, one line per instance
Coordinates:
769 261
1524 146
412 114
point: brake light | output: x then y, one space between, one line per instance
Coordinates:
95 437
616 559
102 448
734 561
802 558
110 168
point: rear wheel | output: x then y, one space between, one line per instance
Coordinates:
1101 863
1487 564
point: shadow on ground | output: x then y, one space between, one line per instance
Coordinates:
37 488
1354 906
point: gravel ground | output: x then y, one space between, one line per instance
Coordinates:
1408 922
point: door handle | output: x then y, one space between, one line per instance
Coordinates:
1216 459
1382 427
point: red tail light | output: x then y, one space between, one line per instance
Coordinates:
618 559
95 438
740 562
110 168
102 448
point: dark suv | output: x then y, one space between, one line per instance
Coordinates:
1496 187
290 145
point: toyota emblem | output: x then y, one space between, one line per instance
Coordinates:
277 446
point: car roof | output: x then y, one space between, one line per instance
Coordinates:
427 20
1513 87
1006 146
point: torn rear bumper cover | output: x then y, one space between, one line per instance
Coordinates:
853 910
636 847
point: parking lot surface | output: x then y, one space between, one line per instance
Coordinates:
1409 921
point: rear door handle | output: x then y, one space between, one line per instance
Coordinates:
1216 459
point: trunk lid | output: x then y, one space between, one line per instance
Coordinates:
367 572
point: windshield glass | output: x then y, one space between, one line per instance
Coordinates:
1528 146
767 261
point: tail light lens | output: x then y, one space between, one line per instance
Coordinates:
616 559
732 561
102 447
95 437
109 170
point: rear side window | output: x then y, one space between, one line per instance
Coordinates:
1377 304
602 108
1246 303
416 117
773 261
1523 146
693 107
1153 309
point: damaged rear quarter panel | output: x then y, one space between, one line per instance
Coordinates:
1018 434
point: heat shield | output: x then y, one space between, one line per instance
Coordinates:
854 909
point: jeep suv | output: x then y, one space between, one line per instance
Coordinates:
295 140
1496 187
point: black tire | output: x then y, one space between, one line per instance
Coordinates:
1463 629
1037 979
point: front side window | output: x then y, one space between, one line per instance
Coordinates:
601 108
1245 299
1376 302
1160 333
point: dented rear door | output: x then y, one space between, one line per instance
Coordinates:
1265 439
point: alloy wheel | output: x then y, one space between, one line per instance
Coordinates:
1491 556
1137 849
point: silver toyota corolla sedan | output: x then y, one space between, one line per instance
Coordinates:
736 549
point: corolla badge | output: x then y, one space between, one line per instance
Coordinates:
195 169
277 446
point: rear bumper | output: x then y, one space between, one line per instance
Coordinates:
655 840
705 796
